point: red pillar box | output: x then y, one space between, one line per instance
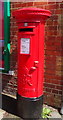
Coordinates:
31 23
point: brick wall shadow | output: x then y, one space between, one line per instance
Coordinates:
9 82
62 62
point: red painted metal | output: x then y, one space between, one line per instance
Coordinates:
31 23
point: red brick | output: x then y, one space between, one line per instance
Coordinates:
52 72
29 4
58 11
54 78
50 38
60 92
55 91
55 22
47 7
50 62
50 42
39 3
42 7
50 67
23 5
57 43
52 27
48 89
59 38
59 87
47 80
49 85
52 32
54 17
57 6
49 33
54 6
51 2
55 32
49 22
49 76
61 5
50 58
17 5
13 28
51 52
54 48
52 11
12 5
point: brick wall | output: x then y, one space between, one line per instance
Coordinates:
53 55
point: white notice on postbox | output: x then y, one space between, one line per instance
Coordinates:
25 46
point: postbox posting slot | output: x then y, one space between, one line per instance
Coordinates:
26 30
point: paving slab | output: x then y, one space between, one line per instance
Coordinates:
5 116
1 113
54 115
62 117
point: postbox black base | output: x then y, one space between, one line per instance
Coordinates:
29 108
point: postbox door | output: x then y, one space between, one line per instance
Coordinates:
28 64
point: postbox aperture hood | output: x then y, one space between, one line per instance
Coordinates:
31 14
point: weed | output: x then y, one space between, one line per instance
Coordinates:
46 112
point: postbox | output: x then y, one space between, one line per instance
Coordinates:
30 23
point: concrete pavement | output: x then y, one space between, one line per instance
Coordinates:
54 114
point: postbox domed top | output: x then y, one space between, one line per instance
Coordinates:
31 14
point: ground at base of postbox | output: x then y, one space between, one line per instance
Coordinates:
53 114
